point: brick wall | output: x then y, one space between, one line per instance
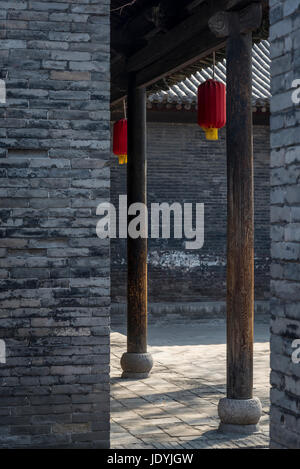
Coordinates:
285 224
184 167
54 299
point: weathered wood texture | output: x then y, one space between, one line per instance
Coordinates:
240 222
136 192
223 23
192 50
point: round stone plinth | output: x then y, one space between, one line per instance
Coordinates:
239 415
136 365
241 429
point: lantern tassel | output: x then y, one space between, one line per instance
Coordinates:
122 159
211 133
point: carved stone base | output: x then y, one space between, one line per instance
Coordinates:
239 415
136 365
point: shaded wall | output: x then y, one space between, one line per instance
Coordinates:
285 225
54 299
184 167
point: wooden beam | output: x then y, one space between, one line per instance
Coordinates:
194 4
190 52
175 38
243 21
198 47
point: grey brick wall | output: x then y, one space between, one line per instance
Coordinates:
54 170
184 167
285 224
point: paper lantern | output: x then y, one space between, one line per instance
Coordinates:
120 140
211 107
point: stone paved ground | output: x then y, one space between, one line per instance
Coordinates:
177 406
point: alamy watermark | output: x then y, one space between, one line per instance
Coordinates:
296 353
296 100
2 352
2 92
296 93
161 216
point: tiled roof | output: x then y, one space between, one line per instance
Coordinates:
184 93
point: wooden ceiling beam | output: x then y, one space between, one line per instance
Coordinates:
190 52
162 45
202 45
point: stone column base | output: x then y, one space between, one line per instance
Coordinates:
242 429
136 365
239 415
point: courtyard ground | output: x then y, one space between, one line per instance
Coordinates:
176 407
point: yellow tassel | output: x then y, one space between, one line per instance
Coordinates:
211 133
122 159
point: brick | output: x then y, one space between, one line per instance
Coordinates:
292 155
292 232
54 65
69 37
12 44
281 28
19 5
290 6
88 66
57 45
276 14
292 194
282 101
68 55
285 137
48 6
68 17
27 15
71 76
286 251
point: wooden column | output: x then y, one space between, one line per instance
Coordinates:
136 363
240 218
239 409
137 248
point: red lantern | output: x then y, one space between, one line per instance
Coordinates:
120 140
211 107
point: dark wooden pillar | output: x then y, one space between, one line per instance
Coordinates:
240 218
137 248
239 411
136 363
